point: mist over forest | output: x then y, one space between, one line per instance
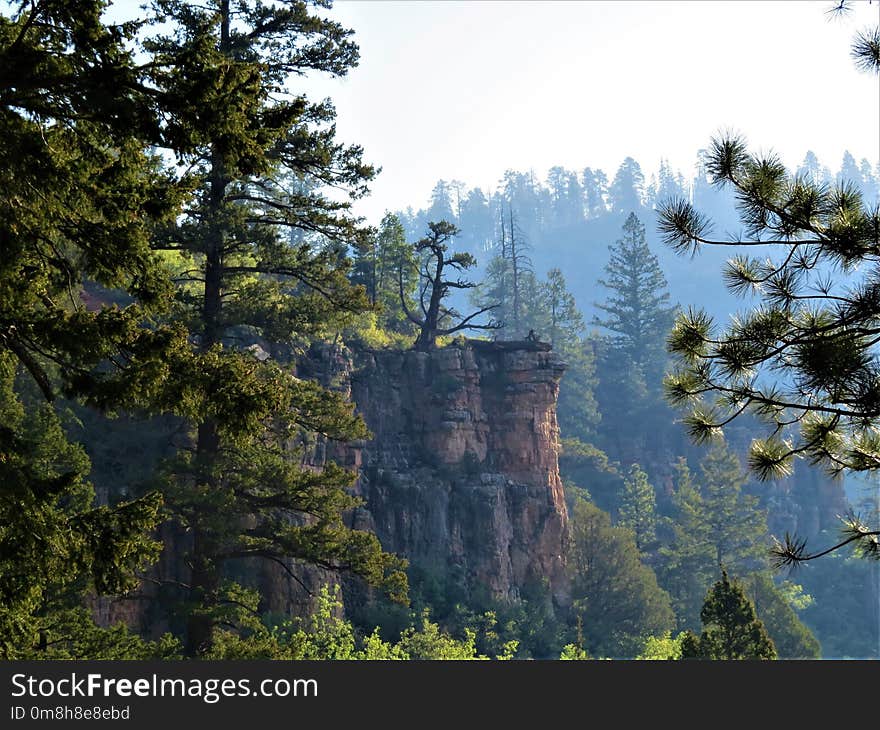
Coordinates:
569 218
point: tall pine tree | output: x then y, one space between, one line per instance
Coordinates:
80 198
632 357
260 252
637 507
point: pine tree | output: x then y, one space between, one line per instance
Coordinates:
737 528
80 199
376 266
715 526
731 630
688 563
637 507
563 327
815 336
565 321
616 595
627 191
566 198
519 269
477 224
792 639
438 319
632 359
638 310
259 250
595 186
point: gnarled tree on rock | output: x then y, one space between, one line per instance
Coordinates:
438 319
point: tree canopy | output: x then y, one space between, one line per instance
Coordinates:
437 318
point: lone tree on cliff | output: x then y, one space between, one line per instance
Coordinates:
434 288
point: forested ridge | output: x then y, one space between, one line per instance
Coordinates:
177 243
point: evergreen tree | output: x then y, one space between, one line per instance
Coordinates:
638 311
631 361
669 185
476 222
513 289
616 595
595 186
442 206
520 268
565 322
563 326
566 197
688 564
261 157
627 191
438 319
870 189
810 167
815 337
637 507
523 193
792 639
80 198
714 526
731 630
737 528
376 268
849 173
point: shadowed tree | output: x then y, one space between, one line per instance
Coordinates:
637 507
437 319
716 525
731 629
260 253
80 199
615 593
376 266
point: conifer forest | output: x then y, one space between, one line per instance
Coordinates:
583 412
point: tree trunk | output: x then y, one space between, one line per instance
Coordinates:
205 577
515 271
427 339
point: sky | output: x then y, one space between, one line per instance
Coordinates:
465 90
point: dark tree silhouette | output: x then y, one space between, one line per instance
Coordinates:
731 628
434 288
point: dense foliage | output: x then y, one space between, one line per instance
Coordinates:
176 232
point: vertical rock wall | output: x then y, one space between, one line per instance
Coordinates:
461 475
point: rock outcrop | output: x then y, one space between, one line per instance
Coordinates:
461 474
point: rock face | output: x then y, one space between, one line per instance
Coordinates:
461 475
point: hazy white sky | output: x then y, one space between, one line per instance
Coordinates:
464 90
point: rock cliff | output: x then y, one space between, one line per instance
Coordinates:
461 474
